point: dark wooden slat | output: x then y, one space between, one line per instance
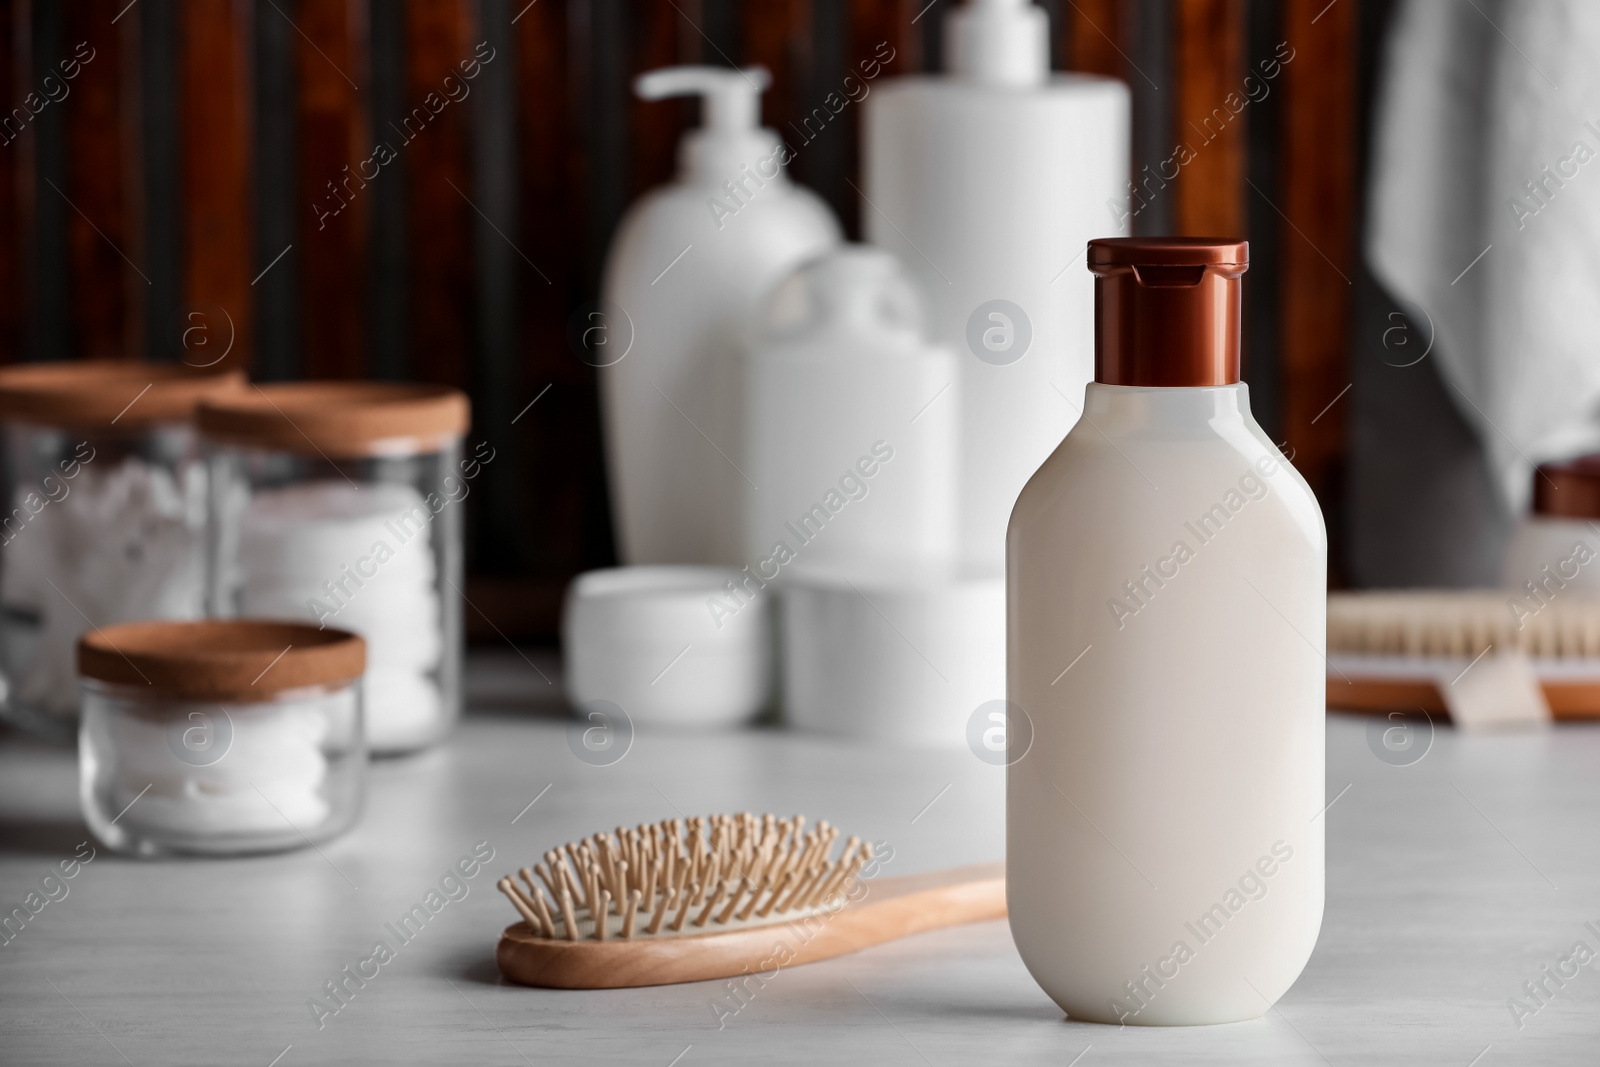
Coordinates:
1208 116
433 139
336 164
777 34
1318 200
1095 31
217 237
13 157
558 438
655 126
101 257
880 33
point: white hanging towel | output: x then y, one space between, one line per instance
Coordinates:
1484 217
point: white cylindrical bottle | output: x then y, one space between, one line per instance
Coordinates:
689 263
987 183
851 437
1553 550
1166 610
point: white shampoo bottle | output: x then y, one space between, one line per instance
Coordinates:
851 438
987 182
1166 606
688 266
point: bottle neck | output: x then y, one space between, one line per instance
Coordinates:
1113 408
750 159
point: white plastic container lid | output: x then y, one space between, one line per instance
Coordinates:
892 653
669 645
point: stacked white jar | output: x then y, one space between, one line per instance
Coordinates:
341 503
220 736
102 515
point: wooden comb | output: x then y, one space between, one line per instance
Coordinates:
689 900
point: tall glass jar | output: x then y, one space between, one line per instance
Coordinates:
220 736
340 503
103 500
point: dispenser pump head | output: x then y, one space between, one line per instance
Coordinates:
732 98
999 42
730 131
1167 310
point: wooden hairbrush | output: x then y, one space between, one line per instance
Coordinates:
1390 650
689 900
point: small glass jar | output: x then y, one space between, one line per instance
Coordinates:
1555 549
220 737
340 503
103 517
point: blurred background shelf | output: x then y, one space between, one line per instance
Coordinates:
183 195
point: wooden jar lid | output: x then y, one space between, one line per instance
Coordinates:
239 660
99 394
347 419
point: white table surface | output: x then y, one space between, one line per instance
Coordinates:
1450 883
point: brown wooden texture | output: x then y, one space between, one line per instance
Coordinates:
559 435
335 163
1096 33
1209 109
1317 242
14 160
433 139
1569 698
776 34
883 38
101 256
663 35
439 208
891 909
217 238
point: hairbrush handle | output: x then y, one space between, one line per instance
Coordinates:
889 908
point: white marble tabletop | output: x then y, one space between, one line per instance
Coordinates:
1451 882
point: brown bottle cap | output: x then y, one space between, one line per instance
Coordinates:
1166 310
1568 490
239 660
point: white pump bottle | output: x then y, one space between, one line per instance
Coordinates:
987 182
689 264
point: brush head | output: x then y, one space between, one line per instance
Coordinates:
686 876
1462 624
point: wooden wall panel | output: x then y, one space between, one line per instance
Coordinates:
335 164
218 238
1097 36
433 139
558 435
1209 113
101 257
880 31
776 34
662 36
14 160
1318 200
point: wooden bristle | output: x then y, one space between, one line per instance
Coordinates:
707 872
631 912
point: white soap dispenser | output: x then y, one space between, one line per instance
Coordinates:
852 431
987 182
688 265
